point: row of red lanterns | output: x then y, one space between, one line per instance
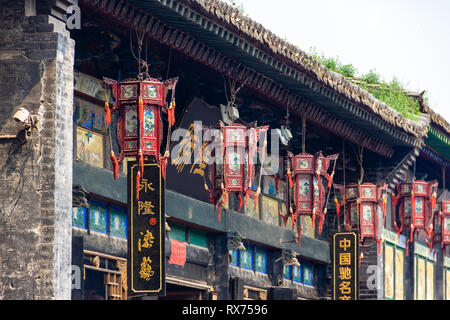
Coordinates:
140 134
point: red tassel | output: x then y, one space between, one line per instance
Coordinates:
338 207
276 183
321 221
379 242
138 184
407 248
141 109
163 168
411 233
299 235
141 161
240 202
290 180
108 114
433 200
115 164
330 180
255 200
397 229
313 219
171 114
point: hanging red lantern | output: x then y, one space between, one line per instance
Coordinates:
235 170
140 128
445 226
311 183
361 205
417 202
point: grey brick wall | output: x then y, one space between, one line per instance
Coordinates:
36 72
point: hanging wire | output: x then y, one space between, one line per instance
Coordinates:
303 132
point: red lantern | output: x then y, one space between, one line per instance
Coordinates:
236 171
417 202
311 180
445 226
140 128
362 202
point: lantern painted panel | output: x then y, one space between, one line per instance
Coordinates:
368 215
128 91
420 189
304 193
322 164
419 214
150 135
304 163
446 222
368 192
153 92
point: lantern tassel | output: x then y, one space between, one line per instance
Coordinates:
115 164
256 198
171 114
299 235
141 109
433 201
379 242
138 183
290 179
338 207
107 115
141 161
240 202
313 219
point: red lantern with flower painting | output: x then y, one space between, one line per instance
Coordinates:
311 182
234 169
140 128
361 204
417 203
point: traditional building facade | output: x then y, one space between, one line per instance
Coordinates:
64 217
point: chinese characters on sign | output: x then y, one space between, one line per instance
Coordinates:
146 231
345 268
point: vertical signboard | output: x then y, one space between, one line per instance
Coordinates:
345 266
146 225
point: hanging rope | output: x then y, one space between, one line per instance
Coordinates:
303 132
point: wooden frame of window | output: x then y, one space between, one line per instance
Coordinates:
115 281
248 290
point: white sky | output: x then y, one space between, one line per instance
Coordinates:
408 39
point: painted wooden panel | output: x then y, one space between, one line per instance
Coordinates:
118 222
270 213
287 272
235 257
98 217
249 207
79 217
246 258
89 115
430 280
420 276
297 273
90 147
260 260
389 272
308 273
399 274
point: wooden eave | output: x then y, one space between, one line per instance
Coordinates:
283 83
